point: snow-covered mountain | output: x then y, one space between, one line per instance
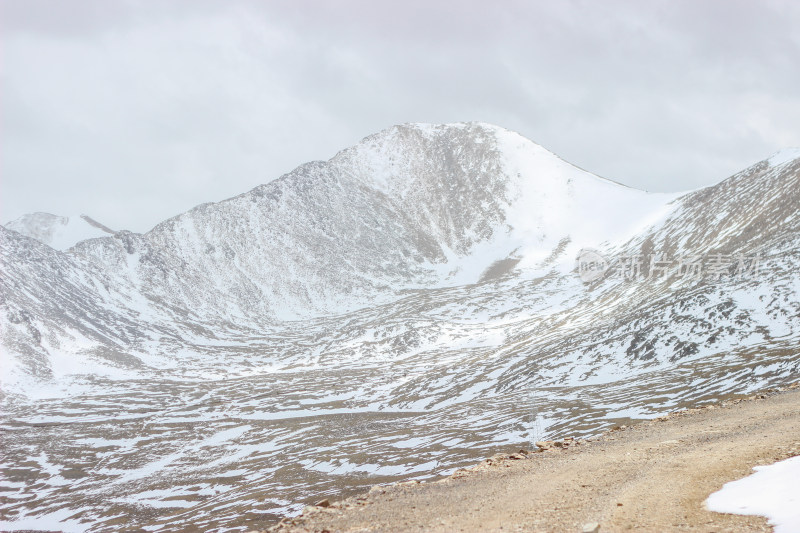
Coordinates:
396 311
412 207
59 232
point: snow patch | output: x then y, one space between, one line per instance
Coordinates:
771 492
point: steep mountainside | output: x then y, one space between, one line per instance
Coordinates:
757 208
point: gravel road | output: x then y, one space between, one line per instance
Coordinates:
653 476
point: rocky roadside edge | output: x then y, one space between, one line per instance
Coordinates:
502 460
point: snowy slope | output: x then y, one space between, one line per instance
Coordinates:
431 268
58 232
485 194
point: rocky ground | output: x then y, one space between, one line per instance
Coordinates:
653 476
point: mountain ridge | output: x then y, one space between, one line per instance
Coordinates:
423 228
323 239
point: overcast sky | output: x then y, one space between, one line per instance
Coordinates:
134 111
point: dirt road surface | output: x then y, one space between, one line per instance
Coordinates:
653 476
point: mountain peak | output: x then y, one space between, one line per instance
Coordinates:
59 232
